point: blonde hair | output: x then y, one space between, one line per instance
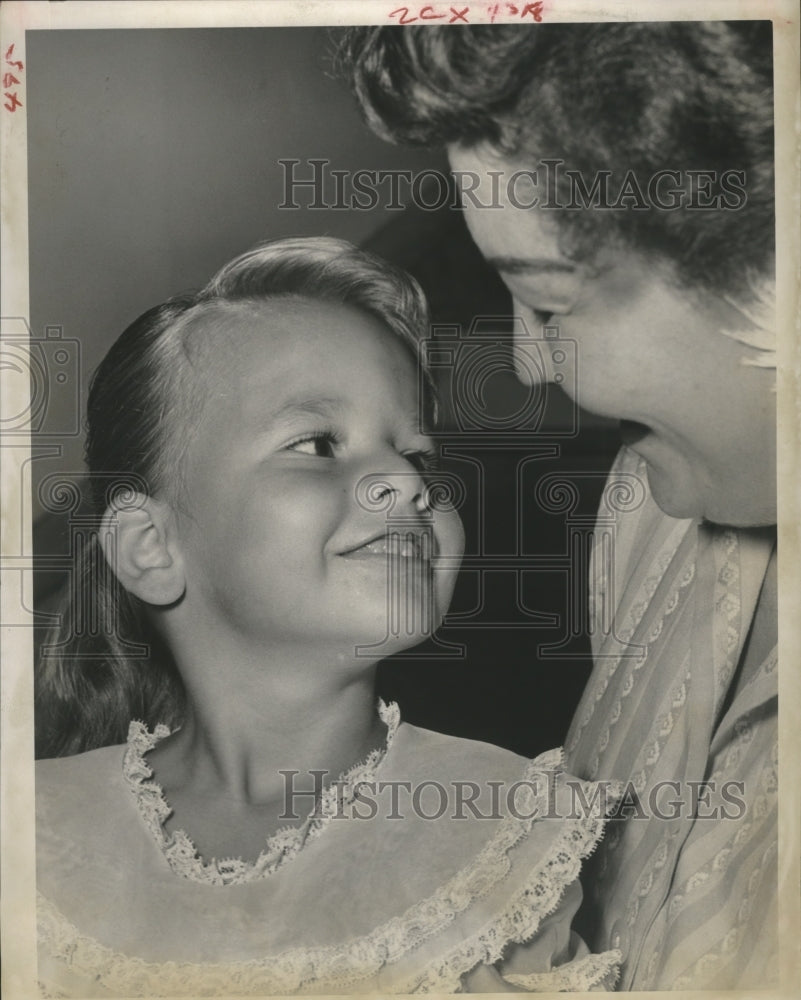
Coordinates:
90 686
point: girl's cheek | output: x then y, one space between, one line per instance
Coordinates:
451 534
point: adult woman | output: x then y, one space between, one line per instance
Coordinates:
646 233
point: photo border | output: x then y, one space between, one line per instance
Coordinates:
17 866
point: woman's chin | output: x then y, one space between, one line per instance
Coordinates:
675 494
734 505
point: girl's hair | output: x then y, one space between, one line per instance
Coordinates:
91 681
616 98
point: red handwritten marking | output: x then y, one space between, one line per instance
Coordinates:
8 59
535 9
512 10
12 101
408 15
404 15
428 13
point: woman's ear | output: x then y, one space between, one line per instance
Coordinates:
139 542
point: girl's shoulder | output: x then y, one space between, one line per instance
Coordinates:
85 815
77 766
442 751
473 776
66 786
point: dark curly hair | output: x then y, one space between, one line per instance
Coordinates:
614 97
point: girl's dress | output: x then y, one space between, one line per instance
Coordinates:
438 864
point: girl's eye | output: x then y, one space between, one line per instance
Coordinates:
320 445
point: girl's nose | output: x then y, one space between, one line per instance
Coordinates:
398 491
407 489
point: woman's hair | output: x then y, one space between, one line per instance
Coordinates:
612 97
92 681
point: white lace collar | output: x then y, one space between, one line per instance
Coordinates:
284 845
426 947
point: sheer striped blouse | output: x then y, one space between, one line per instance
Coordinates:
685 883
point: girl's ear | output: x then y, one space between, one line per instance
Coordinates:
140 545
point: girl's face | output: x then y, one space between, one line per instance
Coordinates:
306 452
642 351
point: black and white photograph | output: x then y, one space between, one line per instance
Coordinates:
400 482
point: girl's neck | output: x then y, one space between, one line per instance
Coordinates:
248 719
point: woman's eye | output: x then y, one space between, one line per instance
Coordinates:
318 445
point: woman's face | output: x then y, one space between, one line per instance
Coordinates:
647 353
307 452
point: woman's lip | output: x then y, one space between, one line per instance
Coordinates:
631 431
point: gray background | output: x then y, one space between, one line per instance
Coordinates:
153 160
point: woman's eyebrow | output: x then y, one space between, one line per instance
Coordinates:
531 265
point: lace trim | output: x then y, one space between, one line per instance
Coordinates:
537 899
284 845
341 966
575 977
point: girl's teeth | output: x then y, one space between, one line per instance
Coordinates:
407 550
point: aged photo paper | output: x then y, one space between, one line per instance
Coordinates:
144 145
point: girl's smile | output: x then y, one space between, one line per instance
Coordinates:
306 402
406 545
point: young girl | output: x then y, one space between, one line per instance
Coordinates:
261 480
